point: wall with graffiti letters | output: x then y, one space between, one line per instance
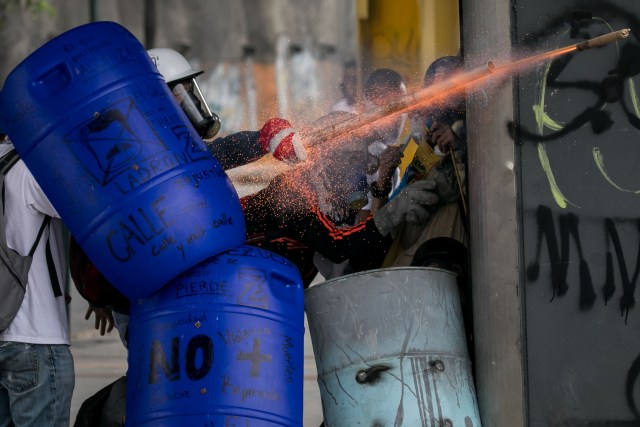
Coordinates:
578 134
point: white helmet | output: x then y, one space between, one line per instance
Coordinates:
181 78
172 65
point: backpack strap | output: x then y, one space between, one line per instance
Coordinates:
45 222
53 276
8 160
6 163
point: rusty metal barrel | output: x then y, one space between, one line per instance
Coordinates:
390 349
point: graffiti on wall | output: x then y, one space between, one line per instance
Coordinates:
559 249
625 265
586 133
616 88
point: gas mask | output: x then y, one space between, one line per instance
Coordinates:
191 100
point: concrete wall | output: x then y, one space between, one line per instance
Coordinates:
494 222
264 58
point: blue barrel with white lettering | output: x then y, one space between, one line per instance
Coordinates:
106 140
222 345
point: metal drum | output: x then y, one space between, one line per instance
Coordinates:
390 349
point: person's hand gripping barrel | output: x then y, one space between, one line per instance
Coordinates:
411 206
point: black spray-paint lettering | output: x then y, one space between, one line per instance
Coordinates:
140 227
559 257
199 348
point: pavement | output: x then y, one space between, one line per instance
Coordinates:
100 360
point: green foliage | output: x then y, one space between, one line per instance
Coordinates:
41 6
34 6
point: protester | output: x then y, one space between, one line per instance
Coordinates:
36 366
231 151
440 156
365 165
382 87
349 89
285 216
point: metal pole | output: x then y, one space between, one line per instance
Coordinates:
93 10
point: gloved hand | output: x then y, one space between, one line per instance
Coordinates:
446 182
278 137
409 206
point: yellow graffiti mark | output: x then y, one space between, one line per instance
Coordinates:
546 166
543 122
634 97
599 160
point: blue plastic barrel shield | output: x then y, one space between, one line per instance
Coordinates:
100 130
222 345
390 349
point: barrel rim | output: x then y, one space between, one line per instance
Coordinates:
89 26
377 270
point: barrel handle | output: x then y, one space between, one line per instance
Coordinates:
53 81
435 365
371 374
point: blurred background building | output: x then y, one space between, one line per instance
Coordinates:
263 58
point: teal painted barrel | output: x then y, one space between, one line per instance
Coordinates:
104 137
390 350
222 345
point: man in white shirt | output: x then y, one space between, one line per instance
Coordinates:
382 86
348 89
36 367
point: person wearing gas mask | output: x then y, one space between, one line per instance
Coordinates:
110 307
231 151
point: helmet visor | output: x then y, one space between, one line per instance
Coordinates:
193 104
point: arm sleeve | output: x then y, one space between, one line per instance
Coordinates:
236 149
337 244
266 212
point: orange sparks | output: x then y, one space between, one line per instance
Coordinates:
340 133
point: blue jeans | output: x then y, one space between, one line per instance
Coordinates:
36 384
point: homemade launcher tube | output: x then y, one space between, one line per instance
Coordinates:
434 93
603 39
446 88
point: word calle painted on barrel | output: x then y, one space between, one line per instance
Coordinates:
222 221
141 226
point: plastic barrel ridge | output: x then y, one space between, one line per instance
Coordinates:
390 349
104 137
222 345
